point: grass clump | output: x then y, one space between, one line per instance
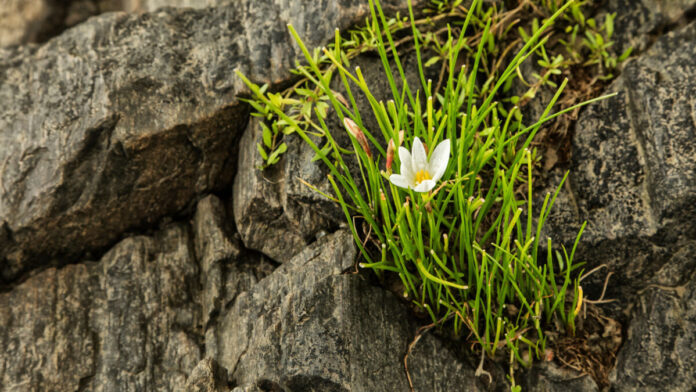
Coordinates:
454 223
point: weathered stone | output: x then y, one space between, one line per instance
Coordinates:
272 213
633 171
306 327
438 365
125 119
127 323
223 283
258 204
633 179
550 377
207 377
639 22
152 5
22 20
659 353
251 388
214 247
213 240
34 21
226 270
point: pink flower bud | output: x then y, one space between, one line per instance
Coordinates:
391 149
355 131
340 98
390 154
351 127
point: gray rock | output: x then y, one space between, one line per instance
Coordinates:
550 377
437 365
249 388
226 270
152 5
659 353
633 171
127 323
273 214
207 377
639 22
21 20
306 327
222 284
258 203
125 119
633 178
139 319
214 246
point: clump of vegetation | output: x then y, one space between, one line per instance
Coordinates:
443 195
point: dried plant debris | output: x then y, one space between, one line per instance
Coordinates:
594 347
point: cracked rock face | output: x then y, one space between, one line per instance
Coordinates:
633 178
638 22
633 172
152 5
85 116
550 377
659 353
125 323
134 320
208 376
309 327
270 211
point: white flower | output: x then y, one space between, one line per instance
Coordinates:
416 172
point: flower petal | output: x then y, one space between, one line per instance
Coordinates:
419 158
425 186
399 180
406 169
439 160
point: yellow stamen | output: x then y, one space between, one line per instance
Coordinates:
422 176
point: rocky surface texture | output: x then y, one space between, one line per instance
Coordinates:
659 353
633 179
32 21
640 22
36 21
152 5
274 204
126 322
85 116
141 250
633 174
309 327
